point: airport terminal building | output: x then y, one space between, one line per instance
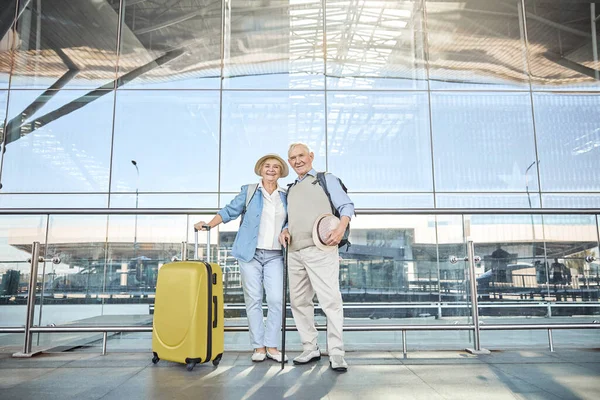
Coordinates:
451 122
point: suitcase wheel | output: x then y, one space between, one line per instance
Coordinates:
155 358
217 360
190 366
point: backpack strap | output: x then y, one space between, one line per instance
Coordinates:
323 183
250 192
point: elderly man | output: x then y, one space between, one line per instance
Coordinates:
311 269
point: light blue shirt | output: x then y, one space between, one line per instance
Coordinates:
339 198
246 240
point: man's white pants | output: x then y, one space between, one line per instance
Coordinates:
311 271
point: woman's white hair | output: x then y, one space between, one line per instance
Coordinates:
308 150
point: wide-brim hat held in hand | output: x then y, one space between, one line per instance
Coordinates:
324 224
284 168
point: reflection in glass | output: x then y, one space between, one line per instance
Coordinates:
375 44
474 137
486 200
8 38
80 242
256 123
379 141
571 200
568 136
173 137
391 200
273 44
476 45
137 247
64 44
404 259
17 234
164 200
58 141
570 240
45 200
170 45
563 44
512 266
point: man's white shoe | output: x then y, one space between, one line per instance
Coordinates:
308 356
338 363
258 357
276 357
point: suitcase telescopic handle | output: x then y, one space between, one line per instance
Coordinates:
207 227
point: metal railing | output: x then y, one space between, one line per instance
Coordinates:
475 327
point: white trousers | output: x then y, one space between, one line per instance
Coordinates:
311 271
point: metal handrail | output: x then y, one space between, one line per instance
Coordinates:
359 211
347 328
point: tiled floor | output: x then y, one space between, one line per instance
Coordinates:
565 374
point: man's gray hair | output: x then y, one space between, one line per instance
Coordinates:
308 150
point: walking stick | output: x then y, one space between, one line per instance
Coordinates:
283 308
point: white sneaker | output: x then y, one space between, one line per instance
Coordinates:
276 357
338 363
308 356
258 357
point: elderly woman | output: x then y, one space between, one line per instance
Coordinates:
257 248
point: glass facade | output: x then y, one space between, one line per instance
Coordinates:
415 104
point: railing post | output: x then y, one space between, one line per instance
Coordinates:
550 341
183 251
474 301
35 258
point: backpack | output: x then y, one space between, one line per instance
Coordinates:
323 183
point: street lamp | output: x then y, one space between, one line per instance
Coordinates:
137 186
533 252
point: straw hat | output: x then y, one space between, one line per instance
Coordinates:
284 168
324 224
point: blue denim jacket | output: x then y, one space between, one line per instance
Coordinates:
246 240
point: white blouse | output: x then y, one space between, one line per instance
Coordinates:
271 219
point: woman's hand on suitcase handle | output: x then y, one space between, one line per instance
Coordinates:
285 238
201 226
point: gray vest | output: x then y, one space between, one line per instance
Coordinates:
305 203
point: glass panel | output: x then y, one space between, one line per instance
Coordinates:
7 39
51 144
171 45
273 44
571 200
164 200
375 45
38 200
474 136
391 200
17 234
563 44
476 45
74 289
396 259
181 128
484 200
572 278
512 274
380 141
568 141
65 44
256 123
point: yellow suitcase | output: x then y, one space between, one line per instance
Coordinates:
188 312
